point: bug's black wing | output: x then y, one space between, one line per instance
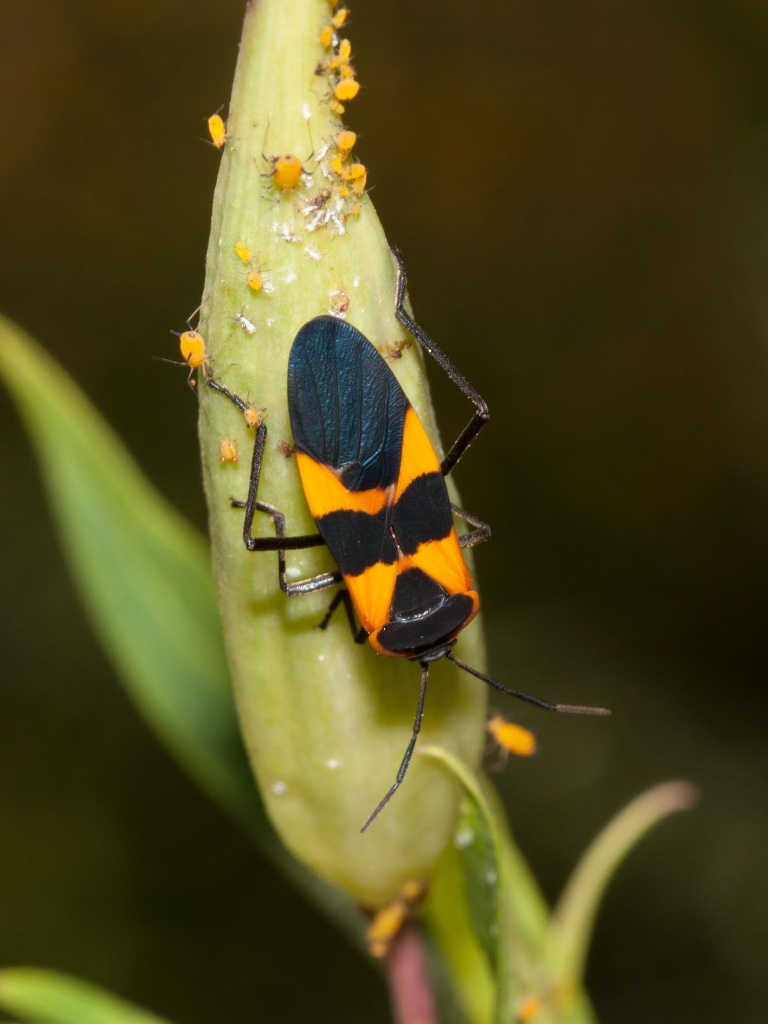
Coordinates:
347 409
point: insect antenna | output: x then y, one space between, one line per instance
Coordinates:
408 750
571 709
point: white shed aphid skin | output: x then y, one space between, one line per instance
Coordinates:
248 325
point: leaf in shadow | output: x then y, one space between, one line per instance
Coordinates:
573 919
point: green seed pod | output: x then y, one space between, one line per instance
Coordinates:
325 722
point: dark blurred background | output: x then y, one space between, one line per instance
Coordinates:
581 192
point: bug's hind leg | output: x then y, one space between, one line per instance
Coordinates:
481 531
359 634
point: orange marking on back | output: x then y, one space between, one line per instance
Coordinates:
443 560
419 456
371 594
326 493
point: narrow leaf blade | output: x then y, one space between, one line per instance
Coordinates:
142 571
574 916
46 997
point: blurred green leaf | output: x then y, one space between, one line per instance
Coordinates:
142 571
486 888
144 575
475 840
529 916
574 916
45 997
462 909
507 916
458 966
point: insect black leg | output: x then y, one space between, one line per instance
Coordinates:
359 633
481 532
279 543
480 418
408 750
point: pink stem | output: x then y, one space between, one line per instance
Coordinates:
409 985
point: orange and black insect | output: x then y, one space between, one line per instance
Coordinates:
376 490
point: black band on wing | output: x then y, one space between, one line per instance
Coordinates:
422 513
357 540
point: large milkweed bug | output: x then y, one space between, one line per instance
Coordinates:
376 490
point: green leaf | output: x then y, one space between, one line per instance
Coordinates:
574 916
144 575
507 916
489 895
464 984
45 997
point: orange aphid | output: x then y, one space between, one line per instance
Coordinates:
390 919
194 352
356 175
326 36
192 346
356 209
217 130
342 55
341 15
243 253
255 281
511 738
385 926
286 171
228 451
346 89
345 143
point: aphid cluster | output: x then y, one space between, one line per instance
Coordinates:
346 180
337 69
326 208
